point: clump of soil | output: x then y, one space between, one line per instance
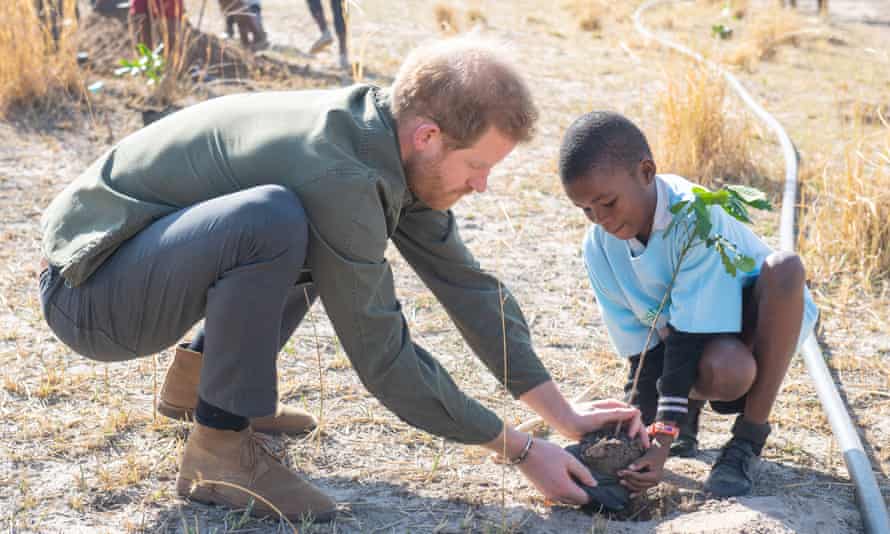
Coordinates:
606 453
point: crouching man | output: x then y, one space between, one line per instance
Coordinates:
241 210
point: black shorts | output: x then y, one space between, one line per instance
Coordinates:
647 393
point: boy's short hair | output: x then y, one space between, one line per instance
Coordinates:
465 84
600 139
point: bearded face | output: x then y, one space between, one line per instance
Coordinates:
440 176
429 183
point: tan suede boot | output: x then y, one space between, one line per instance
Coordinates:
179 396
236 458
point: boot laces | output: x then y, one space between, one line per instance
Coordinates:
258 445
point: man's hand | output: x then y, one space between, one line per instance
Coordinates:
547 466
575 421
550 469
648 470
590 416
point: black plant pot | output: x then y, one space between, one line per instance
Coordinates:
151 115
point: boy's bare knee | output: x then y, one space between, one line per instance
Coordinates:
726 371
784 271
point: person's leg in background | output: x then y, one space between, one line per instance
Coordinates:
140 23
168 15
340 28
259 39
325 39
236 10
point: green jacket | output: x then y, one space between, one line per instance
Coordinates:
338 151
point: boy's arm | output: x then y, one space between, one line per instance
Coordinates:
682 353
701 283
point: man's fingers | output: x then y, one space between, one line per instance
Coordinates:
608 403
574 494
580 472
633 428
612 415
637 429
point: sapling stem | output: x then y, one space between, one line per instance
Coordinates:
695 218
653 327
319 427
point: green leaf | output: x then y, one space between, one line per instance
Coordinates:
702 219
751 196
727 263
745 263
736 209
710 197
721 30
679 206
142 49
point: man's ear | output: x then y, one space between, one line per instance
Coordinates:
426 136
648 170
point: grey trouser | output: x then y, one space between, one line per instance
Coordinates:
234 261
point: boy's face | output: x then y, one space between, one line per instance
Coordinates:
619 199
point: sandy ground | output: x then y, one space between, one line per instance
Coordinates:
81 452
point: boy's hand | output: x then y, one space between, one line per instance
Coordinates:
590 416
648 470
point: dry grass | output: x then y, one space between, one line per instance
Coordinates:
845 229
697 136
475 16
446 18
79 449
588 13
595 15
35 68
764 32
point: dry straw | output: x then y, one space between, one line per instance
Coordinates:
698 135
767 29
591 15
446 18
588 13
38 61
845 227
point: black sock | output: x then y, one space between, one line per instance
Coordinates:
197 344
754 433
209 415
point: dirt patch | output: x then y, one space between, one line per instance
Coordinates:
71 462
606 453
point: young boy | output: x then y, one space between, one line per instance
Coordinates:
720 338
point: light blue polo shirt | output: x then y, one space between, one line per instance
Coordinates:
630 279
